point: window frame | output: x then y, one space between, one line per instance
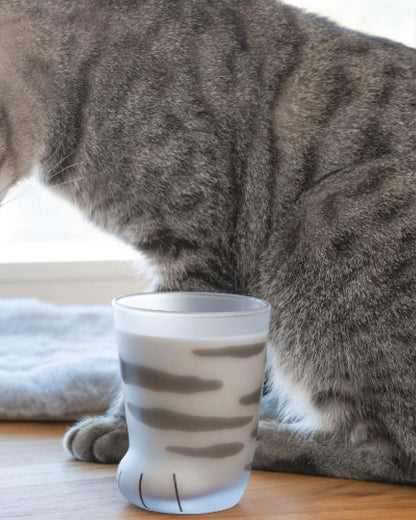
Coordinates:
74 282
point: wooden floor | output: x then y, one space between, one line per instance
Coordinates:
39 481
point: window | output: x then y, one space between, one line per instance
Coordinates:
38 226
394 19
48 251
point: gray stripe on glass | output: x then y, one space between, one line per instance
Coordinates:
244 351
163 419
252 398
216 451
161 381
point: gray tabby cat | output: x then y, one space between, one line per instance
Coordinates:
244 146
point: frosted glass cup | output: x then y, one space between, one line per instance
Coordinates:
192 367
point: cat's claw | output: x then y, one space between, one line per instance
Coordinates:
97 439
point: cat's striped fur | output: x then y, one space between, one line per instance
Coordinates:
248 147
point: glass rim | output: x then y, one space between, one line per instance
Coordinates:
263 305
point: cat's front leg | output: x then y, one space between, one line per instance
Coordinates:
99 439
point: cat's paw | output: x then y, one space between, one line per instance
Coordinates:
271 444
97 439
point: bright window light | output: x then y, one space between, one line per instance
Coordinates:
394 19
38 226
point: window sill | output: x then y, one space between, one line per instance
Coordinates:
37 251
82 282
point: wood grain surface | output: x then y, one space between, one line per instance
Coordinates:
39 481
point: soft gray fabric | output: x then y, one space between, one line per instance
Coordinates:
56 362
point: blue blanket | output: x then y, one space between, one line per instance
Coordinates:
56 362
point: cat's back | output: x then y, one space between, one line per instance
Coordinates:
351 97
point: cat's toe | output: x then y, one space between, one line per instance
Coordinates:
97 439
111 447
